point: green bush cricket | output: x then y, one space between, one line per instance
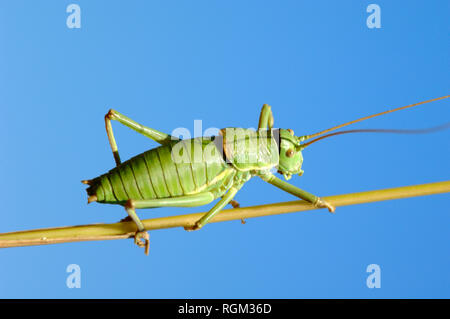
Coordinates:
197 171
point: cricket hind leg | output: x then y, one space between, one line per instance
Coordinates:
141 237
160 137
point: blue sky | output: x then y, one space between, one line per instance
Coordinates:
168 63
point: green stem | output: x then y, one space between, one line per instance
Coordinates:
127 229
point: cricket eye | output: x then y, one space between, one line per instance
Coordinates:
291 131
290 153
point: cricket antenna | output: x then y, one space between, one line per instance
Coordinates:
419 131
307 137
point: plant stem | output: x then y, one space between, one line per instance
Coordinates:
127 229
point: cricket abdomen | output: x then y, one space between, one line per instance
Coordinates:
181 168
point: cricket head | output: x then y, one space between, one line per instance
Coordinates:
291 158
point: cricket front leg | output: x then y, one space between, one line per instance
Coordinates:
291 189
217 208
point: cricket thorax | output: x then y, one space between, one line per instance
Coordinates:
249 150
